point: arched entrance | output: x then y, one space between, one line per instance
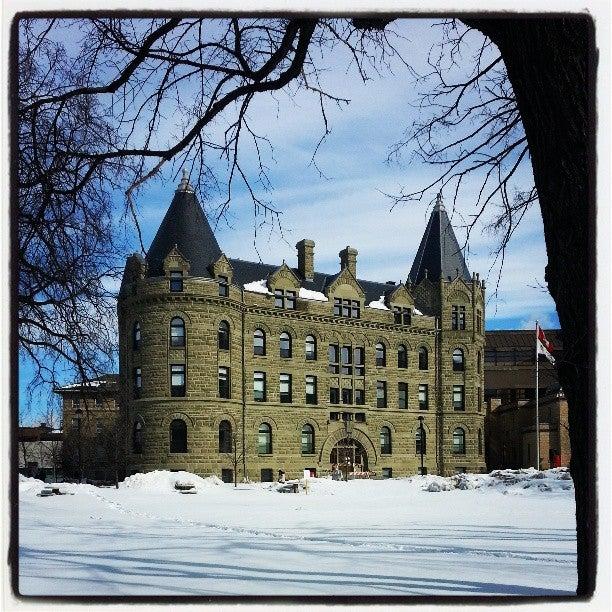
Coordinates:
349 453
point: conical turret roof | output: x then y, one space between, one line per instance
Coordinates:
439 252
185 225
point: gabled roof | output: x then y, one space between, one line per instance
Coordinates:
185 225
439 252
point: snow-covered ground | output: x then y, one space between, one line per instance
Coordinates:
506 533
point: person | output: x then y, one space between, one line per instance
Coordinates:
281 476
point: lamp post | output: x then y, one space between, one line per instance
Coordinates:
79 413
421 432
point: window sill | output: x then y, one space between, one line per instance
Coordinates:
265 454
309 454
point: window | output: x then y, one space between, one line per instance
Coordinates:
360 417
76 404
479 362
176 281
458 397
347 308
333 357
311 390
224 382
346 356
459 441
381 394
385 441
420 438
177 332
284 299
136 336
223 286
360 397
402 316
227 475
479 394
458 361
178 436
359 360
347 396
259 342
423 397
381 357
478 321
402 357
137 435
225 437
402 395
310 348
285 345
177 380
264 440
334 416
285 388
480 441
387 473
137 382
334 395
223 336
259 386
308 439
458 317
267 475
423 359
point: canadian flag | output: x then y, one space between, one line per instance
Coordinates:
544 347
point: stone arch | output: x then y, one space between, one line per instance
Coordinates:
358 435
426 427
317 335
360 339
424 343
308 421
284 327
178 415
139 417
458 345
462 424
259 325
397 343
224 417
170 314
388 424
224 317
267 419
384 341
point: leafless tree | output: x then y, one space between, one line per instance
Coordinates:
236 454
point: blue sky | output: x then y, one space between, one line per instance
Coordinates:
347 207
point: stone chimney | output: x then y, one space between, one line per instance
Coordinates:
348 259
305 253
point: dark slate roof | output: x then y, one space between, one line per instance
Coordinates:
520 338
185 225
439 252
249 271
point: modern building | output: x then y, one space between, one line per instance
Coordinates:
40 452
236 366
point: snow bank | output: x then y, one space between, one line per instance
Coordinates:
259 286
161 481
308 294
379 304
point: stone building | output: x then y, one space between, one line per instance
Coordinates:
231 367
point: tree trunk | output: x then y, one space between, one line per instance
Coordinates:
551 65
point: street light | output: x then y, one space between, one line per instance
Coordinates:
421 435
79 413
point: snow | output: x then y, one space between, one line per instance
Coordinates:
259 286
379 304
416 311
308 294
510 532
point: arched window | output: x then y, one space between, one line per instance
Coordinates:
259 342
137 435
381 358
285 345
423 359
264 441
459 441
385 441
308 439
224 335
177 332
178 436
136 335
480 441
458 361
420 438
225 437
311 348
402 357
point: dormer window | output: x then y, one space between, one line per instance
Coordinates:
402 316
176 281
285 298
347 308
223 286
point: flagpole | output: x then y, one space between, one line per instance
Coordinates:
537 402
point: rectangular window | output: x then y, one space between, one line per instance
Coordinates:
360 397
334 416
285 388
359 354
334 395
402 395
267 475
333 356
76 403
347 416
387 473
279 299
337 307
455 317
402 316
224 382
176 281
223 286
461 317
479 321
347 308
479 400
355 309
285 299
347 396
137 382
227 475
458 397
259 386
360 417
311 390
346 356
423 397
381 394
290 300
177 380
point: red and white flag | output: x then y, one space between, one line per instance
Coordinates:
544 347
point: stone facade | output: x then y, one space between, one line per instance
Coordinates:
175 320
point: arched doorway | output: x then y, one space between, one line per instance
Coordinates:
349 453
